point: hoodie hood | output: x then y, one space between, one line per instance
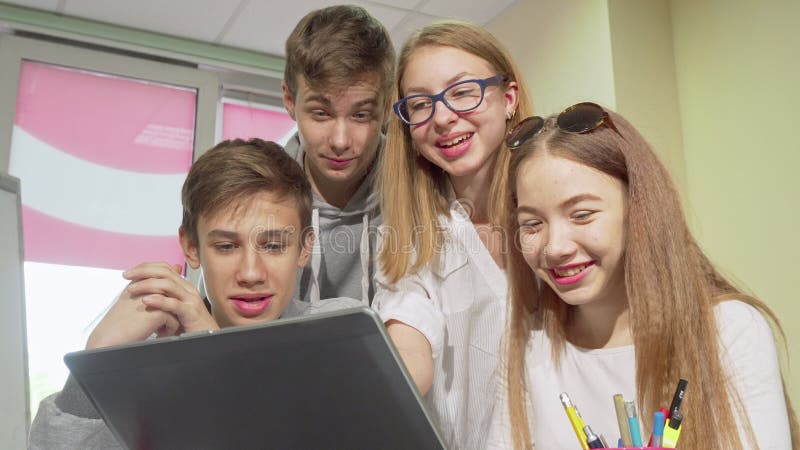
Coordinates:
341 260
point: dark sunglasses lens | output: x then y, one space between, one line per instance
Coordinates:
524 131
581 118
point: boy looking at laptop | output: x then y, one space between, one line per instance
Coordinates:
246 224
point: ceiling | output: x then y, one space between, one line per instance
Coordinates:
260 25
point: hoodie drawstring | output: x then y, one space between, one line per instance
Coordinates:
316 257
364 251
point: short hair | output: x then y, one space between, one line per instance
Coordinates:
336 46
235 169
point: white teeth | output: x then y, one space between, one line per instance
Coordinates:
456 141
569 272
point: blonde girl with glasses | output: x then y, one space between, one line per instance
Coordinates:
610 294
442 179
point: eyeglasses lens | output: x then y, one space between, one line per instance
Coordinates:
460 97
464 96
524 131
581 118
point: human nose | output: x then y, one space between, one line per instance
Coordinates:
442 114
252 268
559 246
340 136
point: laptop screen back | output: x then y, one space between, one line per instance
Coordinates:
326 381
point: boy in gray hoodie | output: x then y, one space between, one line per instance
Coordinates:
337 84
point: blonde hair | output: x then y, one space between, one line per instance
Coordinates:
413 190
685 285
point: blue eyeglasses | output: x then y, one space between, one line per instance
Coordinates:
459 97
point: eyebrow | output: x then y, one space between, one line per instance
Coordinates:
222 234
372 101
525 209
319 98
565 204
275 234
579 198
419 90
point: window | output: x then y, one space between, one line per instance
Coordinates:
101 144
241 119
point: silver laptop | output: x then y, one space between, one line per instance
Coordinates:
329 381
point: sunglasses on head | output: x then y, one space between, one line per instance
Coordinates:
579 119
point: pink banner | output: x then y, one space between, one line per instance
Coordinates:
101 159
245 122
116 122
60 242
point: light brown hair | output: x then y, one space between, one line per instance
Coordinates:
236 169
686 286
413 190
335 47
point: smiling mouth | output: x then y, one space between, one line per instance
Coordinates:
455 141
570 271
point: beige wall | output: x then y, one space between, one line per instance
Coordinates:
563 48
738 72
714 85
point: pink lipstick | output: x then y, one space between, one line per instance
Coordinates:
572 278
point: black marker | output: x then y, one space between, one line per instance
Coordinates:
678 397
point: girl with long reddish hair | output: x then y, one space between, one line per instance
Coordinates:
610 294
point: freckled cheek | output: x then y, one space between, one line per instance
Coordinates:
530 251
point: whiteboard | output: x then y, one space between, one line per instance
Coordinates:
14 407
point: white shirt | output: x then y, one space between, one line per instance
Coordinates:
458 302
592 377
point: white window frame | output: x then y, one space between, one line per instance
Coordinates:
14 50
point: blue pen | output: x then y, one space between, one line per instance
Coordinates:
633 423
658 428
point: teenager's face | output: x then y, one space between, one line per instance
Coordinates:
460 143
573 228
340 130
250 252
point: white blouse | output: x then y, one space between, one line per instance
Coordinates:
458 303
592 377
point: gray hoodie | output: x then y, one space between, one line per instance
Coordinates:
342 263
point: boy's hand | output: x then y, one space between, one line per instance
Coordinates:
161 287
129 320
158 300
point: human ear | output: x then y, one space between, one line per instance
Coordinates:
288 101
306 247
511 96
189 248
